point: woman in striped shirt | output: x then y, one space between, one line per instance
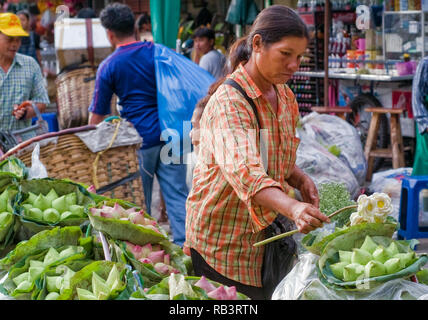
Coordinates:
239 188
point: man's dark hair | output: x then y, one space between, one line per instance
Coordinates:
119 19
204 32
86 13
142 20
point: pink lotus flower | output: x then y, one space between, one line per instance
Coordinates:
219 294
95 212
146 260
137 218
166 259
92 189
146 249
156 256
203 283
231 293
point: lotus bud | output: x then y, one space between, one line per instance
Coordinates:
151 222
95 212
35 272
24 286
41 202
337 269
380 254
120 211
51 256
36 214
156 256
136 218
83 294
52 296
345 256
204 284
361 256
129 211
113 279
25 276
52 283
36 263
231 293
27 207
218 294
31 197
68 252
352 271
146 260
60 204
77 210
5 218
166 259
374 269
137 251
4 198
51 196
99 287
392 265
51 215
406 259
153 228
162 268
392 249
91 189
71 199
146 249
66 214
369 245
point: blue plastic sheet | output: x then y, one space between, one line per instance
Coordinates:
180 85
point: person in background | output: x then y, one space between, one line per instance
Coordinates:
234 195
143 28
86 13
30 46
129 72
211 59
21 80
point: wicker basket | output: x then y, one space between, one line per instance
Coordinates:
75 89
69 158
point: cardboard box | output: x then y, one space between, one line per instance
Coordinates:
77 40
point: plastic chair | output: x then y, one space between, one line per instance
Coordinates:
409 208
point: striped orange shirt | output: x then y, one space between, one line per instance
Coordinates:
222 221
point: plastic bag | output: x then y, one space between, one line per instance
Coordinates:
331 131
37 170
389 182
322 166
180 85
302 283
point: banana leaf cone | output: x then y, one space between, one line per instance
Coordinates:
125 229
83 279
8 179
354 239
24 267
41 284
15 166
62 187
316 244
54 238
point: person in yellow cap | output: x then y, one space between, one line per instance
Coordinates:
21 79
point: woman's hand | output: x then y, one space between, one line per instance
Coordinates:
309 191
307 217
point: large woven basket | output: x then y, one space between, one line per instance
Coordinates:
69 158
75 89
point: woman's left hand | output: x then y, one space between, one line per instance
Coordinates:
309 191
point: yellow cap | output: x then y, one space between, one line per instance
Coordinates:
10 25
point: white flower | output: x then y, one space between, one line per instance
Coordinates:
383 206
356 218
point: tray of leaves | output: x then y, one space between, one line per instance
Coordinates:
9 223
45 203
122 220
181 287
361 260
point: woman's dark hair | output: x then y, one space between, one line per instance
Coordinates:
119 19
275 23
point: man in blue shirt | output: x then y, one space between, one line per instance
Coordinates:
129 72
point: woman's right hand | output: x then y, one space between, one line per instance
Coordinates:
307 217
